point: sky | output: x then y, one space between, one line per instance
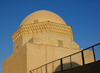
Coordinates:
82 15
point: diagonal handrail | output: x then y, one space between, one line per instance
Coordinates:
70 57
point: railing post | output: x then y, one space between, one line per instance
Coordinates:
46 68
52 67
70 62
93 53
41 69
37 70
30 72
83 57
61 64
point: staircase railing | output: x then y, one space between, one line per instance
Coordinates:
44 68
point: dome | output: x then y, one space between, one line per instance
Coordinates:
42 15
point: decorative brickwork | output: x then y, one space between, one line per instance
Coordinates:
45 33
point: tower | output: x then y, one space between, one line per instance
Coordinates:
44 27
42 36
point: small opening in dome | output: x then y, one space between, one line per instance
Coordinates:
35 21
60 43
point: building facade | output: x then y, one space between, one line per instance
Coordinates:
43 36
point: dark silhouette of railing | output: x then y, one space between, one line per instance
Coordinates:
61 62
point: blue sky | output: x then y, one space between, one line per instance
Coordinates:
82 15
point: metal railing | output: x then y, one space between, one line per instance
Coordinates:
44 68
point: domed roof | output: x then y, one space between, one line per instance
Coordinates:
42 15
